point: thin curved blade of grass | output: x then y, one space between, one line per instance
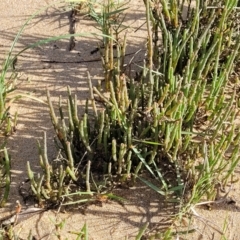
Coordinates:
152 186
115 197
16 95
196 134
176 188
78 193
142 231
160 176
83 234
139 155
116 11
147 142
155 72
78 201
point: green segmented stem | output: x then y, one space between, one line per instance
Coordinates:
129 137
88 176
138 168
83 130
46 162
91 94
44 193
114 150
73 107
106 134
102 96
52 112
70 117
7 169
71 173
31 177
129 162
70 157
39 187
110 169
122 152
101 128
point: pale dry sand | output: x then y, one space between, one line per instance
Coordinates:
111 221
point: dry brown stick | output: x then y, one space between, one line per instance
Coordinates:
72 28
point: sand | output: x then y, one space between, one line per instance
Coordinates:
40 69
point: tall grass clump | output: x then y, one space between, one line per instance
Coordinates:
8 77
7 125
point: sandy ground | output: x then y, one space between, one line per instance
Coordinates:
111 220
